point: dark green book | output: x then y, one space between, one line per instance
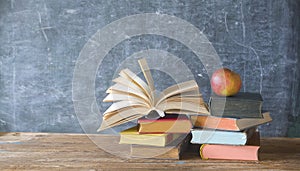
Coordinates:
241 105
174 150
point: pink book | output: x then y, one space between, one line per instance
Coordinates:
229 152
232 152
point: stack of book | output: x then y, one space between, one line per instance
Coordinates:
159 133
163 138
230 132
168 122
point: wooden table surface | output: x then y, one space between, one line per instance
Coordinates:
54 151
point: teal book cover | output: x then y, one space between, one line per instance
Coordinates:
206 136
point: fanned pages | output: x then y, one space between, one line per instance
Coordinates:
133 98
147 73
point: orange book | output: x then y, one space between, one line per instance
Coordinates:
171 123
232 152
229 124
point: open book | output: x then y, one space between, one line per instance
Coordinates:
133 98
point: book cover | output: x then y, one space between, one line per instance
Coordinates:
210 136
232 152
172 123
241 105
133 98
132 136
229 124
174 150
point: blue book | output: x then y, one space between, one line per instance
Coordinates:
207 136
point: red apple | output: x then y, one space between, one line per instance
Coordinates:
225 82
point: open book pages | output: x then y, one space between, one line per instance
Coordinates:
133 98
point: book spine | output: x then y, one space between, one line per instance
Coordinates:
211 122
234 108
218 137
229 152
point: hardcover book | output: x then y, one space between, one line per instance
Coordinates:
241 105
232 152
133 98
132 136
210 136
172 123
229 124
174 150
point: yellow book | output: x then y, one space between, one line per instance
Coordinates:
132 136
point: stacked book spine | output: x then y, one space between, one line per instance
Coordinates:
231 131
163 138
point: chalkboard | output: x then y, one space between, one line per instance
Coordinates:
41 41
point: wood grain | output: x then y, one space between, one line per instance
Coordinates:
55 151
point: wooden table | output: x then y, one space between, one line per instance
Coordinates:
53 151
